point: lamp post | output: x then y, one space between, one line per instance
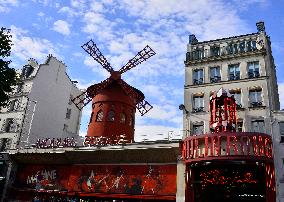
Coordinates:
186 112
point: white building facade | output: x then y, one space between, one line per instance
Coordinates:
40 106
244 65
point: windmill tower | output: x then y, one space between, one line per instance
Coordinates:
114 102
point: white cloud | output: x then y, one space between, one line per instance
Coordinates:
30 47
62 27
5 5
69 11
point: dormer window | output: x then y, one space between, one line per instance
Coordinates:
27 71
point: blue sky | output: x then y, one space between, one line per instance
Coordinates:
122 28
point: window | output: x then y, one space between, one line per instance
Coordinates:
5 144
234 72
100 116
68 113
19 88
122 118
215 74
255 98
258 126
10 125
65 127
131 121
239 126
215 51
198 104
70 100
253 70
198 129
251 45
238 97
281 126
27 71
13 105
198 76
111 115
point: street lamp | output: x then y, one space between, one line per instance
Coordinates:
182 108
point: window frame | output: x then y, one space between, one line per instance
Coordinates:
256 103
100 116
199 79
254 74
257 121
215 78
200 108
236 74
195 126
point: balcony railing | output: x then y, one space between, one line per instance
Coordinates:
256 104
217 51
234 76
254 74
215 79
198 109
197 81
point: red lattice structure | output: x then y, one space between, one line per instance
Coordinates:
223 112
114 102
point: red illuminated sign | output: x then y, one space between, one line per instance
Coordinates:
224 145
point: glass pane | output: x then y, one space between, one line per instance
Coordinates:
252 96
100 116
111 115
258 96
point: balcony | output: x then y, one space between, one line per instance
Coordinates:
239 106
215 79
254 74
197 81
256 104
198 109
233 77
225 49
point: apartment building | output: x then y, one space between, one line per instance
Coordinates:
40 106
244 65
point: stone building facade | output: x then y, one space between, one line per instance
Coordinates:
40 106
244 65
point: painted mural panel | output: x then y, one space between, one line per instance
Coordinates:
117 179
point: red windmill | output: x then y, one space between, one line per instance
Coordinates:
113 100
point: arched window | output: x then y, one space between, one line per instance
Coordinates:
131 121
100 116
122 118
111 115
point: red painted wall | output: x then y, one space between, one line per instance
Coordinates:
111 179
112 98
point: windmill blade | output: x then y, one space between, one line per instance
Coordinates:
143 107
130 91
91 48
141 104
141 56
83 99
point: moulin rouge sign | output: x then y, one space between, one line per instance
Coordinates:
46 143
227 145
